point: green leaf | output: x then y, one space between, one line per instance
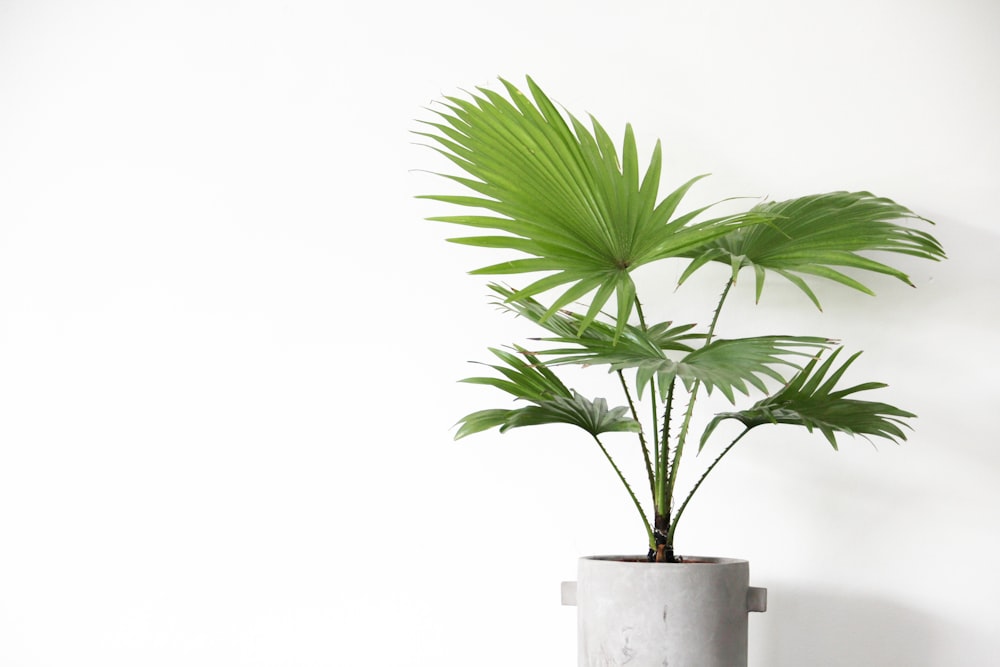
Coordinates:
732 365
600 343
526 378
811 235
482 420
727 365
562 197
810 400
594 417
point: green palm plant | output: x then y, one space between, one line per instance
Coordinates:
583 217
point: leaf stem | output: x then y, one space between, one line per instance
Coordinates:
638 310
659 444
718 310
654 475
638 505
686 423
642 438
680 511
663 495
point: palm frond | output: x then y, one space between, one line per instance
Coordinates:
818 235
730 365
524 378
600 344
551 402
593 416
560 194
566 325
811 400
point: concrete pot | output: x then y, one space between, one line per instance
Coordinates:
691 614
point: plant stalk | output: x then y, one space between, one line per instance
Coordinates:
680 511
655 474
689 413
662 501
638 505
642 438
663 495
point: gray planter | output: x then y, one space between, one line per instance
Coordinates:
640 614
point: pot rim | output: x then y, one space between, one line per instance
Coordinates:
687 561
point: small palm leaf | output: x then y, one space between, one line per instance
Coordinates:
726 365
636 349
812 235
527 379
601 343
560 194
729 365
810 400
483 420
594 417
566 325
733 364
552 403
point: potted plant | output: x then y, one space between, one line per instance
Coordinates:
582 217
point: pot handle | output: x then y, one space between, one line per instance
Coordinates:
569 593
756 599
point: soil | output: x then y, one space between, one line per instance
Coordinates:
643 559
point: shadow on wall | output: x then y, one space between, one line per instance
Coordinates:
823 629
815 628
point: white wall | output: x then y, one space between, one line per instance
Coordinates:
228 343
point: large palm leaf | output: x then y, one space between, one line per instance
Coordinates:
812 235
811 400
559 193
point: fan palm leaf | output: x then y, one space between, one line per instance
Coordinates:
566 325
811 400
635 347
560 194
812 235
551 401
729 365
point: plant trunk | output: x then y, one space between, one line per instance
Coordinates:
664 552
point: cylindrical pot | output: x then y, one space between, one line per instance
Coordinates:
641 614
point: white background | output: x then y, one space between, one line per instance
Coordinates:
229 343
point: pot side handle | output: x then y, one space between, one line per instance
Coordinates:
569 593
756 599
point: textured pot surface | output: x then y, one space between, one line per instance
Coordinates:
641 614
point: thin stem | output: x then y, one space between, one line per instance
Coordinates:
638 310
638 505
664 552
642 438
654 475
718 310
686 423
680 512
681 439
663 495
659 444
